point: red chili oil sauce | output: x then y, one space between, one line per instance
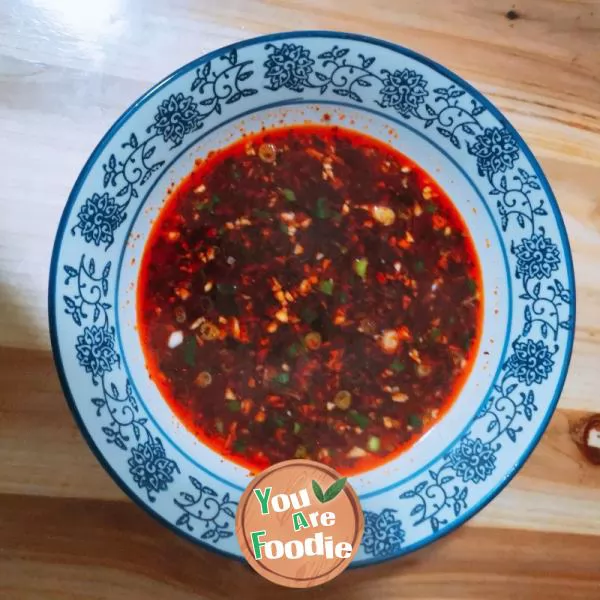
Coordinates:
309 292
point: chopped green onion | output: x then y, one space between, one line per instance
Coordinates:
313 340
279 422
283 228
283 378
189 351
435 333
301 452
343 297
326 286
297 428
267 153
239 445
213 202
294 350
209 332
233 405
419 266
359 419
397 366
322 210
430 207
415 421
471 285
343 399
360 267
374 444
423 370
210 205
204 379
289 195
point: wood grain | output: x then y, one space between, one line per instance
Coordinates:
68 69
68 548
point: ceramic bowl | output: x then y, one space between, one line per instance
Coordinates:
429 114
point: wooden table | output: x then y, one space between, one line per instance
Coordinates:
68 68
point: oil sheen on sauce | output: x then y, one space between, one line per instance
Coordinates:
309 292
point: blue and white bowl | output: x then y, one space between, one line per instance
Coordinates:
439 121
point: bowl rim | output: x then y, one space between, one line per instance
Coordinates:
150 93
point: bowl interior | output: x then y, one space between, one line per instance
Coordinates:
452 178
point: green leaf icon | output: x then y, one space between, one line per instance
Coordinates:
318 491
332 491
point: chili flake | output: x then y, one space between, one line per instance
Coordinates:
309 292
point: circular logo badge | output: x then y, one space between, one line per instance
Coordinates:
299 524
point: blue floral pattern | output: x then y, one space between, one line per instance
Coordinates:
404 91
496 151
537 257
99 217
150 467
202 506
473 460
383 534
176 117
528 405
531 362
92 290
288 66
148 464
96 351
355 73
